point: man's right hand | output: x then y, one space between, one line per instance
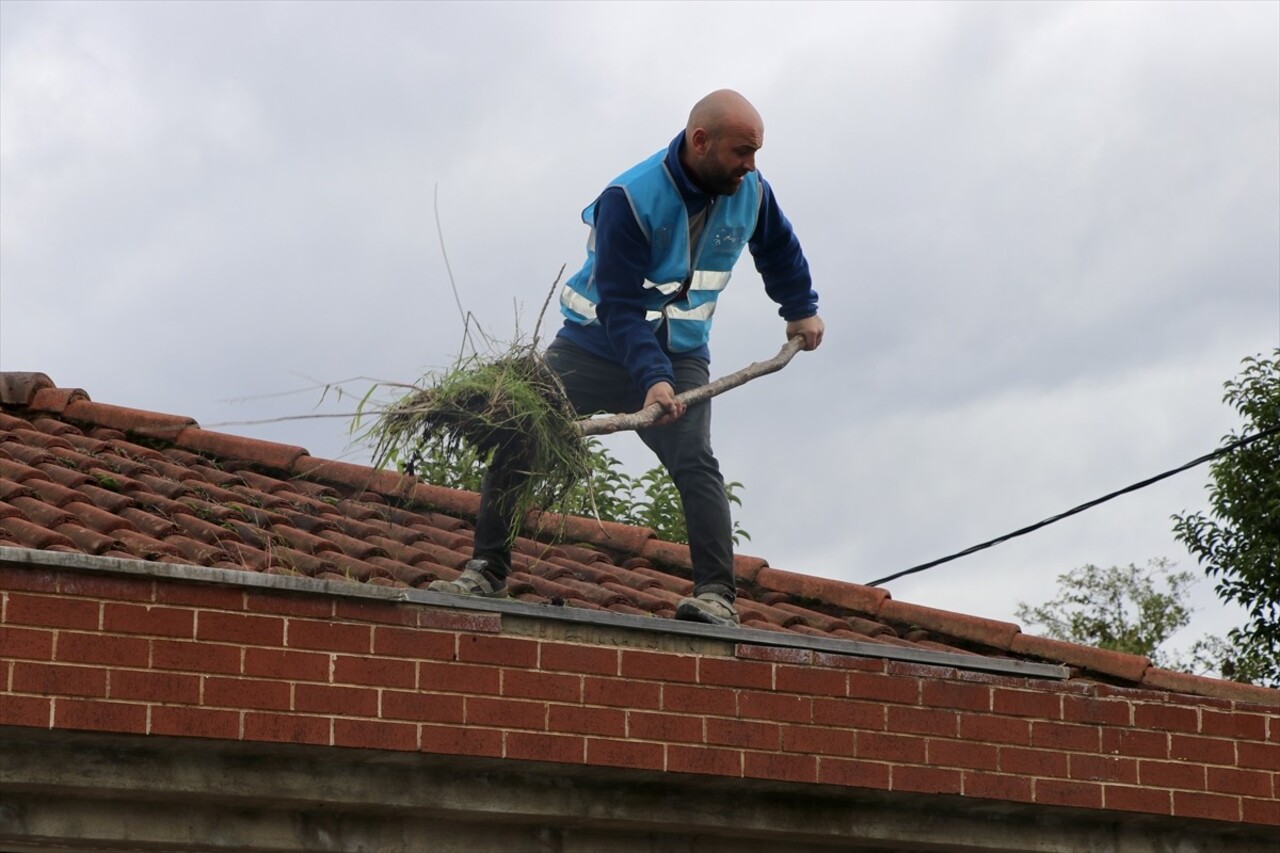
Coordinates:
664 395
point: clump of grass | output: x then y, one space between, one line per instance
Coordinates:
510 409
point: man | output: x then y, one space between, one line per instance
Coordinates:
664 238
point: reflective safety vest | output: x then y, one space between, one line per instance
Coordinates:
682 282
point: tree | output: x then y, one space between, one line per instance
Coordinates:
1239 542
1123 609
650 500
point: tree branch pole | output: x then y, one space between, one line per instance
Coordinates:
646 417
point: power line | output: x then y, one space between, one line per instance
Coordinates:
1208 457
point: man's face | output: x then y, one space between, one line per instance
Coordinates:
727 158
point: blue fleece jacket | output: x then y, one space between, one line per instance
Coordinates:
622 259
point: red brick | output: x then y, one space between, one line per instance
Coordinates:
1149 800
889 747
849 662
459 678
1207 806
1203 749
374 610
884 688
657 666
812 681
59 680
854 774
561 657
243 693
343 701
1057 792
51 611
286 728
1262 756
105 586
422 707
1260 811
200 595
458 740
1233 724
1065 736
1135 744
99 716
148 685
26 710
1033 762
1172 774
1247 783
669 728
925 780
195 722
195 657
498 650
318 608
817 740
454 620
923 721
735 673
621 692
506 713
774 654
375 734
1103 768
955 694
26 643
27 578
997 786
704 759
956 753
1026 703
406 643
993 729
783 766
849 713
926 671
699 700
329 636
625 753
375 672
148 619
536 684
1166 717
240 628
743 733
780 707
286 664
536 746
606 722
99 648
1087 709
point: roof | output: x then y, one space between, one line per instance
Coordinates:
92 478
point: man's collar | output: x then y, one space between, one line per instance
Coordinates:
691 192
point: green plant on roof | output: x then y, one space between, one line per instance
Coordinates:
106 481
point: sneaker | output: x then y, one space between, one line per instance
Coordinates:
710 607
477 578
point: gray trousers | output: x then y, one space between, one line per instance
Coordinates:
684 448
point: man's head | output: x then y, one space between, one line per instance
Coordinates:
720 141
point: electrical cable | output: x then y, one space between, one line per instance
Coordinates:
1208 457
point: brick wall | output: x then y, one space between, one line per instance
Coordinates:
159 657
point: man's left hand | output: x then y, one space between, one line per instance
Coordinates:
810 328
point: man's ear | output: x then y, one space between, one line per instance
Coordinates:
700 140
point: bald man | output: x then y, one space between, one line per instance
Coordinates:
664 238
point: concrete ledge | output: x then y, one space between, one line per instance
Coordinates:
92 792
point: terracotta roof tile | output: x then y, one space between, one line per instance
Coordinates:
86 477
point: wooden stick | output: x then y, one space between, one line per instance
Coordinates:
645 417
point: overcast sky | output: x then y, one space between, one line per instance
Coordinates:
1044 234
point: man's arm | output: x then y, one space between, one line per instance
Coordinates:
622 256
782 265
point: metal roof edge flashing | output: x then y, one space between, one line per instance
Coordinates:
285 583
